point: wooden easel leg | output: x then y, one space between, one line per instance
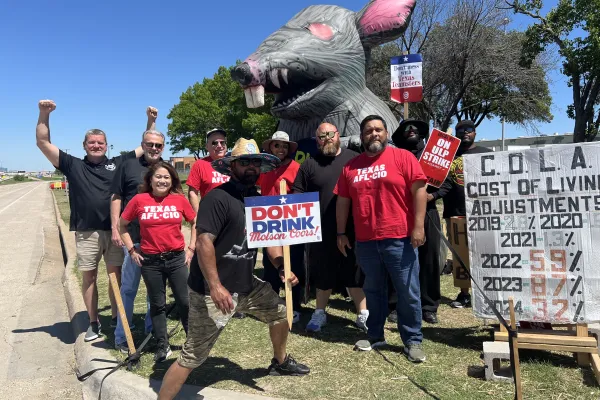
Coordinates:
596 366
583 359
515 348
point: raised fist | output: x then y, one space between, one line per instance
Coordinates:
152 112
47 106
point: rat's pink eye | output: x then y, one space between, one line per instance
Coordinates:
322 31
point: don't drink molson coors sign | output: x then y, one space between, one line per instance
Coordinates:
283 220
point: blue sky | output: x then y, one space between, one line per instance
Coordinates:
104 62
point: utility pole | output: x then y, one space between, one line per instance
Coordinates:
505 22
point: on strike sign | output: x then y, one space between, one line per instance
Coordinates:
407 78
283 220
437 156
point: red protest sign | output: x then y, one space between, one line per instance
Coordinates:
437 156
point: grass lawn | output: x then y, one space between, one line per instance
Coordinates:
11 181
453 370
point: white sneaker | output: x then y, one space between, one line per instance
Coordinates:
296 318
317 321
361 320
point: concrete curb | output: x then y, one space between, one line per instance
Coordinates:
121 385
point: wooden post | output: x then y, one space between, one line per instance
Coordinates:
515 348
287 268
583 359
405 103
114 283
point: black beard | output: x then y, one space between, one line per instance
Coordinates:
248 179
412 140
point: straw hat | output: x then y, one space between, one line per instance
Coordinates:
246 149
280 136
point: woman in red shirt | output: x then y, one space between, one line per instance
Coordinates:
280 146
160 207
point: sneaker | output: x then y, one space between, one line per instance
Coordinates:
113 322
93 332
361 320
430 317
393 317
414 353
463 300
317 321
162 354
122 347
296 318
238 315
288 367
369 344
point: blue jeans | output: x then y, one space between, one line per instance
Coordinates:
130 282
398 259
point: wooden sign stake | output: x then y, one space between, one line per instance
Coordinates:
287 268
117 292
405 103
515 345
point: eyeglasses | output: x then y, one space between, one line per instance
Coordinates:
244 162
156 146
281 145
216 143
462 131
325 135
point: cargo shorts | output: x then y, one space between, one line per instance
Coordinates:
262 303
93 245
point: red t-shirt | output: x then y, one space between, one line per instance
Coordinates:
269 182
160 221
380 189
204 178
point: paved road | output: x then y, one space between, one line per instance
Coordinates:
36 342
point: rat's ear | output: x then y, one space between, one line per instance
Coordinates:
381 21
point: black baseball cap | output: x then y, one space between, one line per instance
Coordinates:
465 124
216 130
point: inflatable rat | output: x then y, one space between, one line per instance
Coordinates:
315 66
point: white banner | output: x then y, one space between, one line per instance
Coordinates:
533 221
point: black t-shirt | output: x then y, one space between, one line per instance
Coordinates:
128 178
222 213
453 188
89 189
320 174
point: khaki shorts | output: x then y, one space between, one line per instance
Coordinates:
92 245
263 303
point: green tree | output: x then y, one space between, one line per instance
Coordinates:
124 152
216 102
573 26
469 66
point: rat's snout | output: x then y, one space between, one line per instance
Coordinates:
242 74
252 79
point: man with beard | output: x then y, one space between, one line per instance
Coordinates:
125 186
452 190
386 188
223 266
320 174
410 136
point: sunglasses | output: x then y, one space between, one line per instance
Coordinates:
462 131
244 162
156 146
326 135
411 128
216 143
281 145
